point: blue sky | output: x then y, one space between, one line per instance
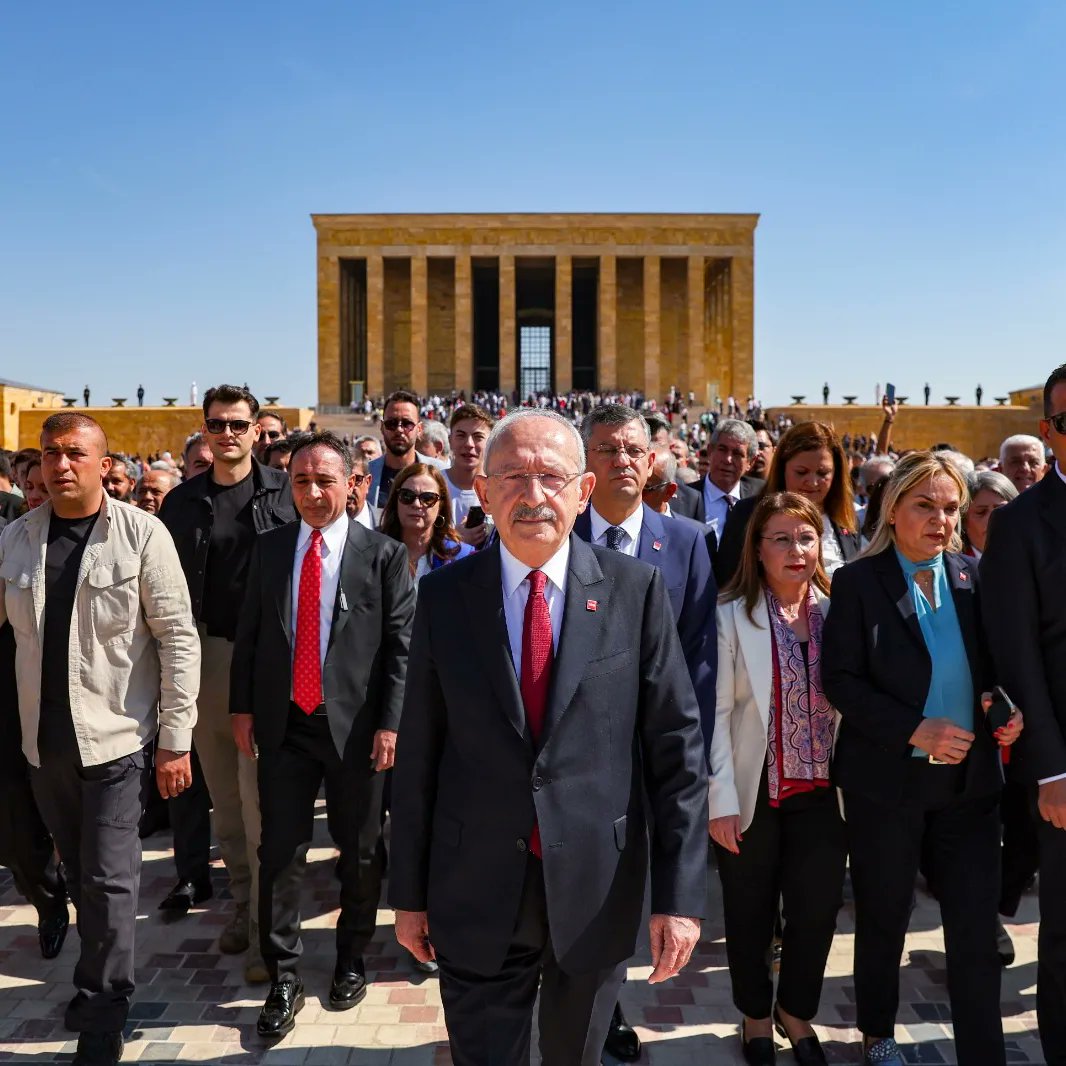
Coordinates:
158 164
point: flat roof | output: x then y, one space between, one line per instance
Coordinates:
29 388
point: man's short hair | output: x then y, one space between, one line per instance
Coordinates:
359 440
360 463
5 466
322 439
403 396
503 427
733 427
656 423
1019 439
1057 376
668 462
280 447
686 475
471 410
118 459
612 414
438 433
962 463
230 394
160 468
273 414
68 422
190 440
26 455
871 466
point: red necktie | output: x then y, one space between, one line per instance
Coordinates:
306 665
537 657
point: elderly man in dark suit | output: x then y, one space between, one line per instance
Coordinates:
315 695
1023 571
520 844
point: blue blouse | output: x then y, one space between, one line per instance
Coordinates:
951 692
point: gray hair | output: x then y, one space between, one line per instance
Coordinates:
190 440
994 481
733 427
613 414
1020 439
685 475
360 464
873 464
438 433
157 468
365 436
666 462
503 427
962 463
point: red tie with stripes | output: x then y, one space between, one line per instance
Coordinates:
538 655
306 664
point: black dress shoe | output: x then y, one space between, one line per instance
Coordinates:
1004 944
808 1051
99 1049
349 985
51 932
759 1051
622 1042
183 895
278 1015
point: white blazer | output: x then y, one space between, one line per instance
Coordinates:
742 708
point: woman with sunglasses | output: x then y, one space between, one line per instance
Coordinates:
417 514
774 818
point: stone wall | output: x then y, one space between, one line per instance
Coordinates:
13 400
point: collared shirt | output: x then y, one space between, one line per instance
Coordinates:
832 555
715 508
333 537
631 527
515 578
365 517
951 692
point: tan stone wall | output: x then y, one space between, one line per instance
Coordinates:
976 431
441 356
673 325
629 336
13 400
397 324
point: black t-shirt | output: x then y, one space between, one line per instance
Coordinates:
66 546
384 485
228 554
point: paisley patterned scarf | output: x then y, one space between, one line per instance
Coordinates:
802 720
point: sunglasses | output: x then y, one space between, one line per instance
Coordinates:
237 426
1059 422
358 479
393 424
427 499
272 434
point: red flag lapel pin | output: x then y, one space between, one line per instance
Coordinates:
656 545
591 605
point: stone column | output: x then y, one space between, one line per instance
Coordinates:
419 325
652 328
508 378
742 326
331 390
697 354
464 324
607 353
564 304
375 325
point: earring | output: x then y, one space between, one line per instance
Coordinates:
439 522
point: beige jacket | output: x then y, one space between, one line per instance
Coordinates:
134 662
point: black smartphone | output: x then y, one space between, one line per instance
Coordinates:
999 714
475 517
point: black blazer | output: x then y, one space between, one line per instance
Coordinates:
750 487
1023 575
686 501
727 559
366 661
622 719
876 670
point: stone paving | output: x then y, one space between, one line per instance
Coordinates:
192 1005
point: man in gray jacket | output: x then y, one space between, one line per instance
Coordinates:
107 659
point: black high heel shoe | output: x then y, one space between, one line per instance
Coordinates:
808 1051
759 1051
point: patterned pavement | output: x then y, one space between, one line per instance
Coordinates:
193 1006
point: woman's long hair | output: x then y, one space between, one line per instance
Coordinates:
813 436
445 541
747 582
908 474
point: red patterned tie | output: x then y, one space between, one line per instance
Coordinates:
306 665
537 657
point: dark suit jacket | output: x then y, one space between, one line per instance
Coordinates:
686 501
876 670
677 547
749 487
1023 575
10 506
468 782
366 661
727 558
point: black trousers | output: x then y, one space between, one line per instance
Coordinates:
795 854
1021 847
1051 944
956 841
190 818
289 780
94 813
490 1019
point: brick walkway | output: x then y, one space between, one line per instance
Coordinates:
192 1005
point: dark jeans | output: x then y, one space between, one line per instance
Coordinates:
1051 946
795 854
289 780
956 840
190 818
94 813
490 1019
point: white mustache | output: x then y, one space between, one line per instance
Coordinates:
541 513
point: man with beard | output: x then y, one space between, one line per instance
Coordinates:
400 428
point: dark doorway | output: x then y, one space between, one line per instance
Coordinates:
585 323
486 314
352 326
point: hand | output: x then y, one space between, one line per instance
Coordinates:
243 734
412 931
473 536
383 753
943 739
173 772
725 832
890 409
1052 803
672 941
1008 734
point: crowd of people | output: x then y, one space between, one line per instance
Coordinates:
575 649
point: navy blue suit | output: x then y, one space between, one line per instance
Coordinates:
677 546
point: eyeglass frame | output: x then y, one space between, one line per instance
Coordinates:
237 426
419 496
511 481
778 541
612 452
394 425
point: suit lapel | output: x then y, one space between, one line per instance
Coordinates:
701 508
285 561
652 532
755 643
352 578
895 583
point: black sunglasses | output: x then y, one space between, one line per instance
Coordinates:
1059 422
237 426
272 434
358 479
408 497
394 424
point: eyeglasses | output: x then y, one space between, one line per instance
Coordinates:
358 479
1059 422
272 434
632 451
408 497
551 483
237 426
657 487
805 541
393 424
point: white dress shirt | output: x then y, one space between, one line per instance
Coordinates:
515 578
365 517
832 555
715 508
631 527
333 537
